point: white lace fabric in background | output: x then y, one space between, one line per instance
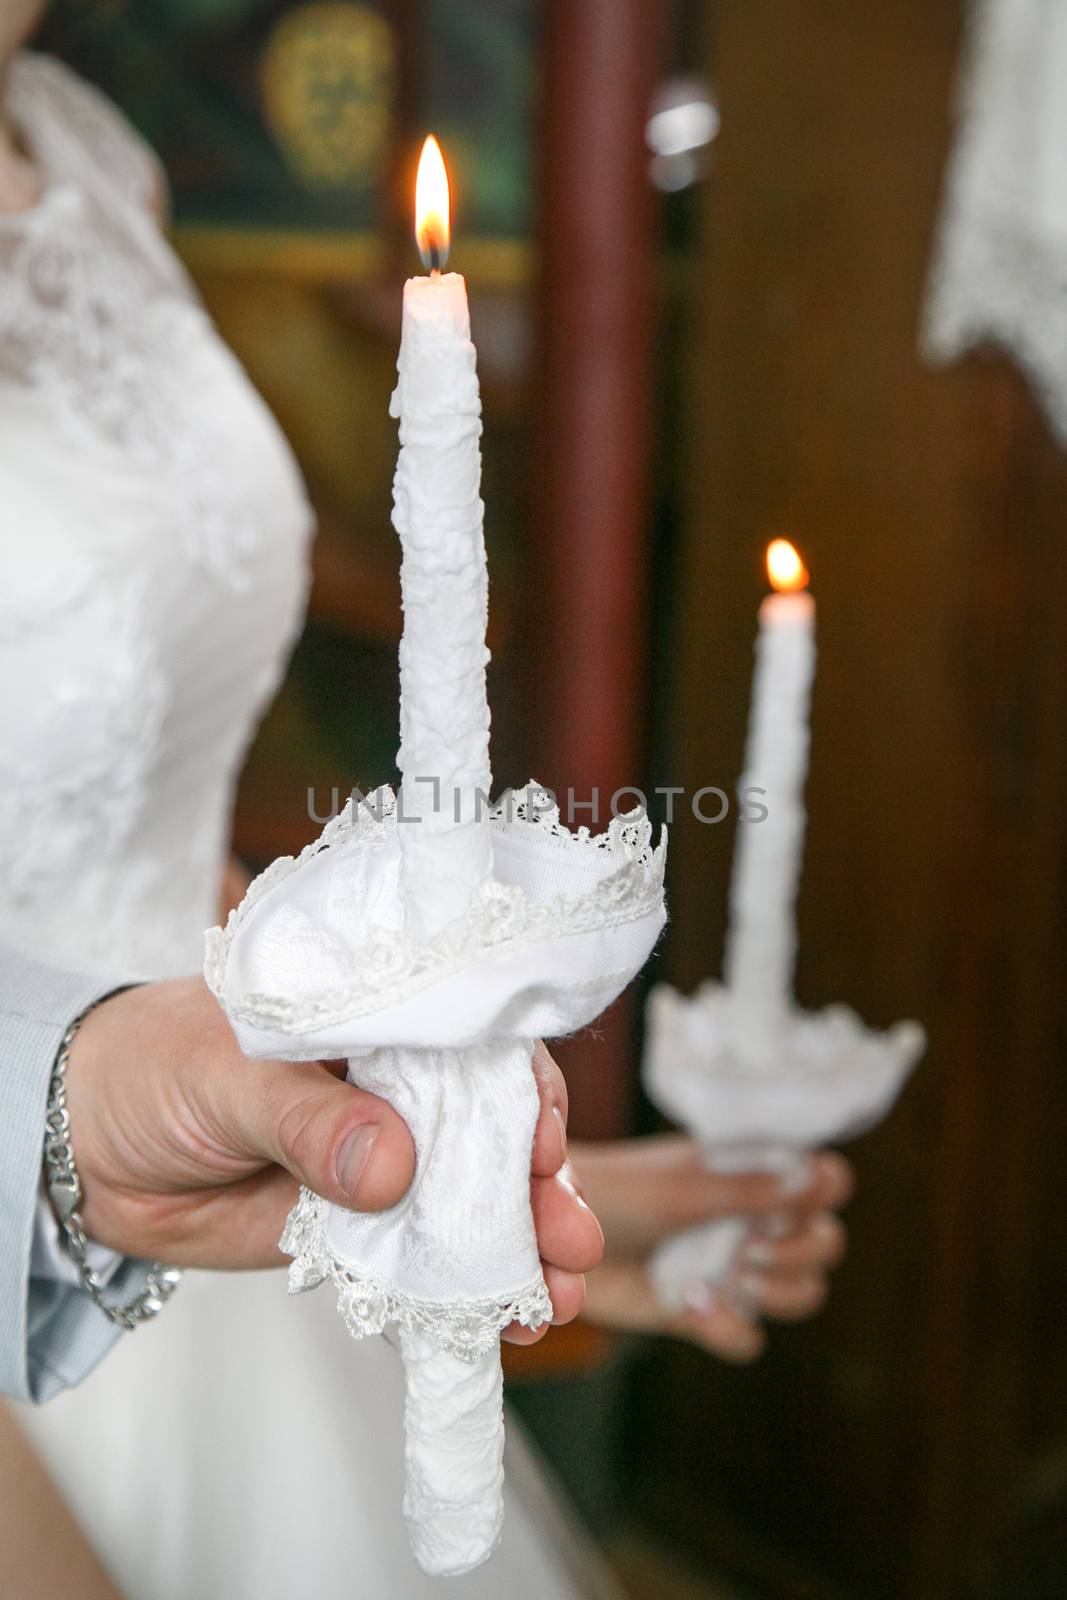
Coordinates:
999 270
153 538
97 314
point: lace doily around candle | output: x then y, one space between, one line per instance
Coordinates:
318 948
317 963
833 1076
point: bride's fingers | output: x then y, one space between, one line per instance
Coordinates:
823 1183
646 1189
819 1242
786 1296
568 1234
724 1321
831 1185
550 1136
720 1325
621 1295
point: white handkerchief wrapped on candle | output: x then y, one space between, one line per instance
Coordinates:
830 1078
318 950
315 963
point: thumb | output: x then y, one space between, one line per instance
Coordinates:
344 1144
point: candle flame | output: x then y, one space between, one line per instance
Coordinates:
784 567
432 208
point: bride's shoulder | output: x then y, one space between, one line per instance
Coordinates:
90 123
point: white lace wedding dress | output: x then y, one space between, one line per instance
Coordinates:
153 533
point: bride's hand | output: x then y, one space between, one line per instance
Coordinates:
645 1189
190 1153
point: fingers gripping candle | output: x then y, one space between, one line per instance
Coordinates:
438 513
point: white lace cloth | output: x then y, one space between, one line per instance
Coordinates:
315 962
999 271
834 1078
153 534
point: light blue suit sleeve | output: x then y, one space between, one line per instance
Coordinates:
51 1334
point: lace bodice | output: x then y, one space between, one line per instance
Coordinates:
153 533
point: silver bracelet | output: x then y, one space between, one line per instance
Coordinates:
65 1193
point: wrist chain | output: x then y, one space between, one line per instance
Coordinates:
65 1194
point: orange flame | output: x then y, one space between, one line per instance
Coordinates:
432 207
784 567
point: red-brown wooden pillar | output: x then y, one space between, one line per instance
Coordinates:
592 495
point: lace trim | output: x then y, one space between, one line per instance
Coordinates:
991 285
97 314
466 1329
997 274
391 966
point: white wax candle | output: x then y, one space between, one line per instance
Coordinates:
761 939
445 848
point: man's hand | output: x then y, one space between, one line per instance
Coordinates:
190 1153
645 1189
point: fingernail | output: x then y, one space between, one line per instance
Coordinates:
775 1225
699 1298
353 1156
758 1254
747 1348
750 1289
796 1178
569 1179
835 1171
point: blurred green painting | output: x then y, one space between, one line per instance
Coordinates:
277 114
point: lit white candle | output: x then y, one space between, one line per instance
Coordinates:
761 940
445 848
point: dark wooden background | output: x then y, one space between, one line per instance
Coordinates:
912 1441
